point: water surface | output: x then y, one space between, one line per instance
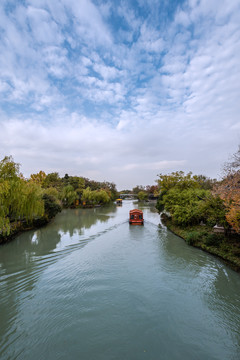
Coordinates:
90 286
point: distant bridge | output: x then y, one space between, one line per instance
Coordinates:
134 196
129 196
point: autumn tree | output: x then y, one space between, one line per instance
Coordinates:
38 178
152 190
229 191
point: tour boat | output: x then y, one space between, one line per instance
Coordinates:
136 217
119 201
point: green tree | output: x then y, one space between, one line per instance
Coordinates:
51 206
212 210
142 195
110 188
87 197
19 199
137 189
4 209
52 180
9 169
102 196
93 197
69 195
177 180
205 182
183 205
188 199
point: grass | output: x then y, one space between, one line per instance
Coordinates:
226 248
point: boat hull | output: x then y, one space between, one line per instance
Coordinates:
136 222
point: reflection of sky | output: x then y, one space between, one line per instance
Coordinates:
91 223
67 274
35 239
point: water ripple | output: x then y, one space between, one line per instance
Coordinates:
112 291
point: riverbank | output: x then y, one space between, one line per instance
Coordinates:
18 227
202 237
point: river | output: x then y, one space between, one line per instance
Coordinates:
89 286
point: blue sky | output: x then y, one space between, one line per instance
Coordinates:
120 90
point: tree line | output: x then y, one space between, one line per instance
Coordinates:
188 199
143 192
192 199
42 196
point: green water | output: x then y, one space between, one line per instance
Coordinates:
90 286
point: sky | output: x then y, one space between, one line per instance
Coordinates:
120 91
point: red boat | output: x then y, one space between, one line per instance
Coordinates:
136 217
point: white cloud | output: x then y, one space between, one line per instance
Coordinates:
56 61
182 18
88 22
121 100
107 72
44 28
150 40
129 16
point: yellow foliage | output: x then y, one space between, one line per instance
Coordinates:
229 191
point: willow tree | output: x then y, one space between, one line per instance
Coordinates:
69 195
93 197
87 196
101 196
9 180
9 169
32 205
4 210
19 199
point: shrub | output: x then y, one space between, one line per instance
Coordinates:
51 206
193 237
213 240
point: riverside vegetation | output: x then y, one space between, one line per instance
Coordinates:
192 205
28 203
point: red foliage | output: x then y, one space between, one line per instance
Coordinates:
229 191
